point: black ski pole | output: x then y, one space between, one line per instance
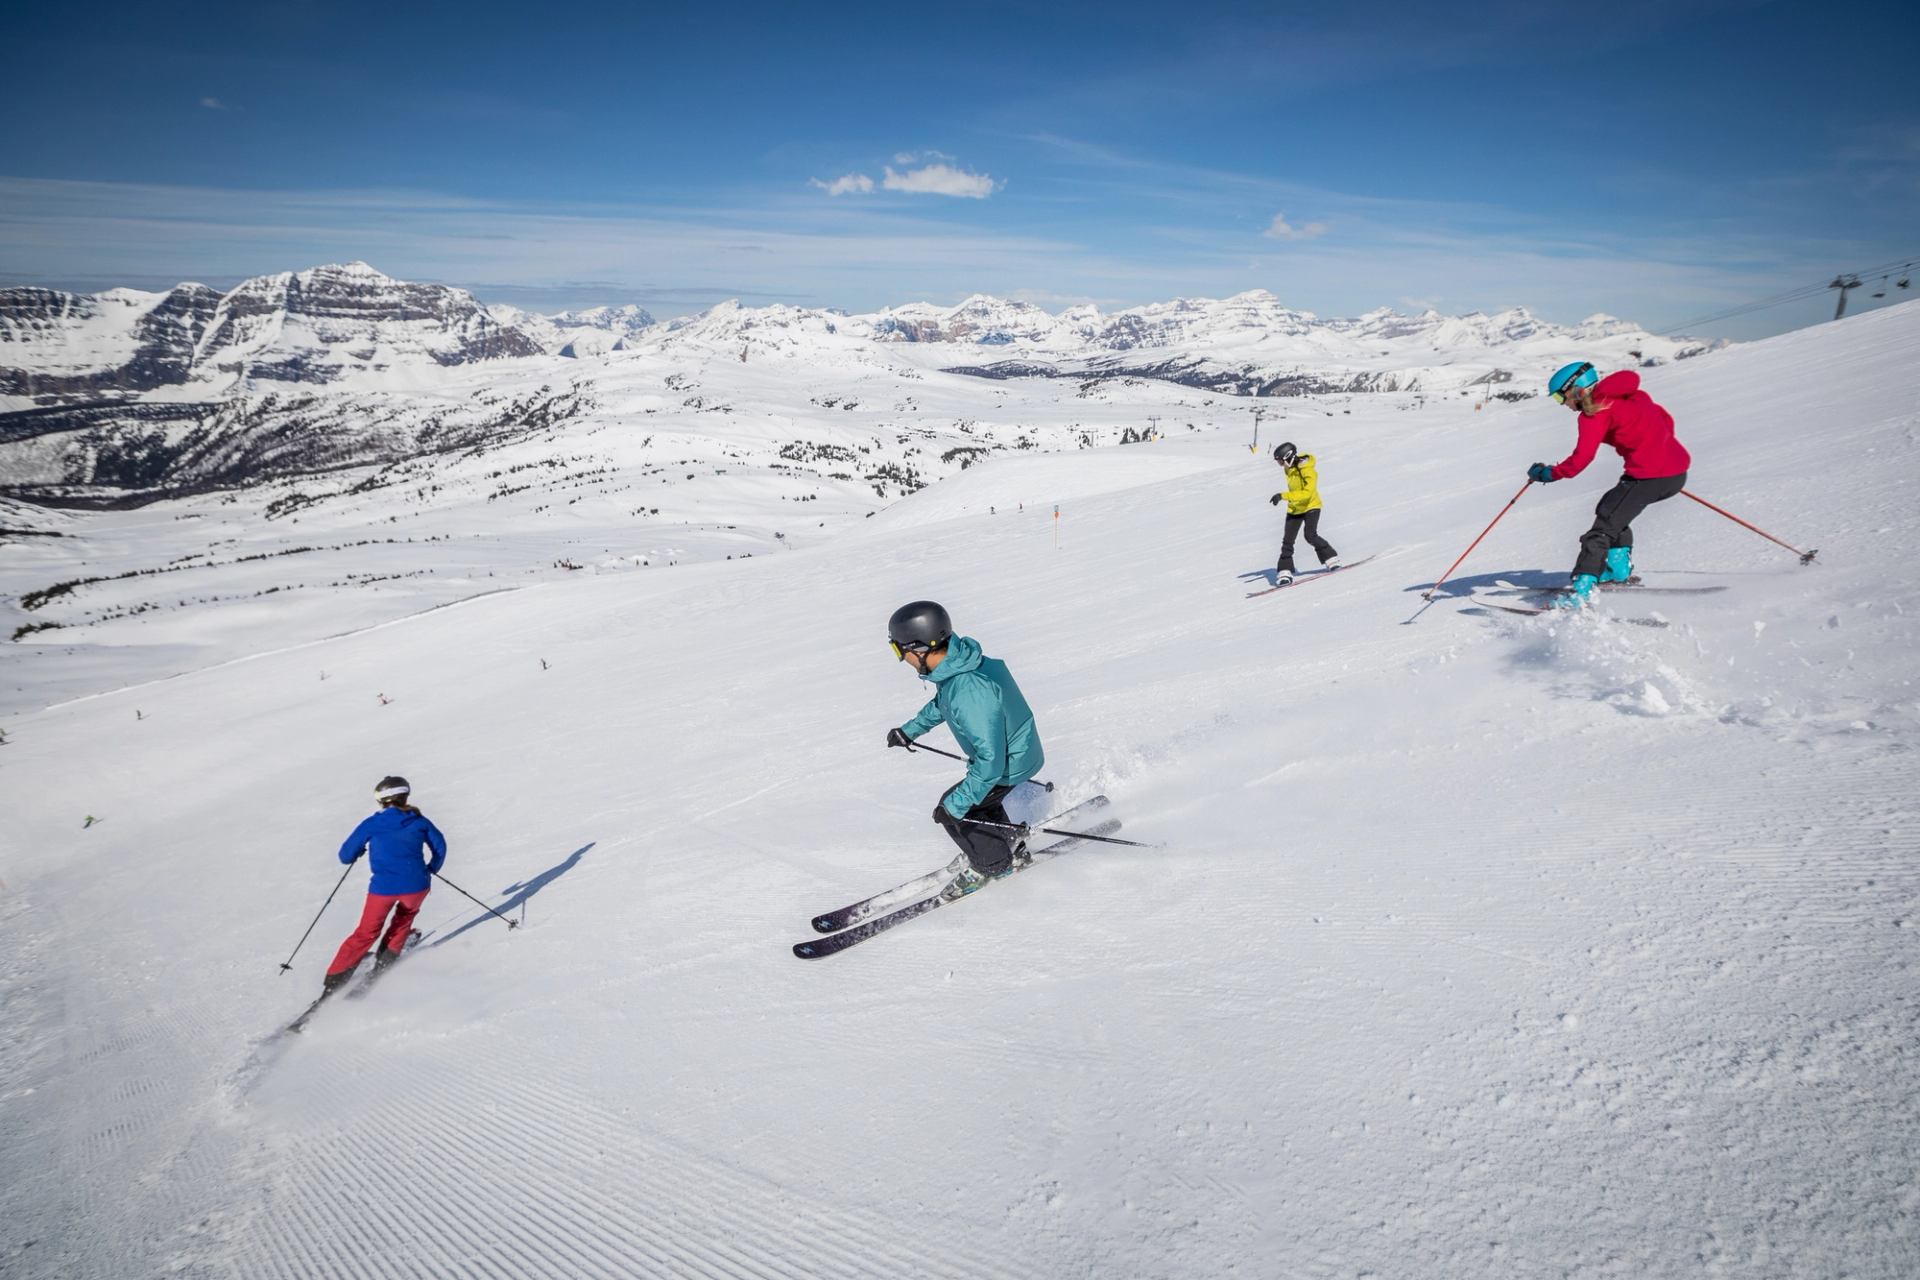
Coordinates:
951 755
511 924
1058 831
316 920
921 746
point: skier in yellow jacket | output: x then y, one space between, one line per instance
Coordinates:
1302 496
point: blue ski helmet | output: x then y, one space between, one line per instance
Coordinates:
1578 374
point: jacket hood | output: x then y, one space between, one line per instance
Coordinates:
1622 383
963 655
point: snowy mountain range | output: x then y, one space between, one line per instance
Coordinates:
349 324
310 328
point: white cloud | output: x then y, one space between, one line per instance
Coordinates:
213 104
1281 229
858 183
940 180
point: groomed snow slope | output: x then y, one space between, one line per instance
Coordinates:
1480 945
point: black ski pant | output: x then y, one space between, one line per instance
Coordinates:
1307 522
1613 518
990 852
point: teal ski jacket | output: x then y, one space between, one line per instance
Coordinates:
975 697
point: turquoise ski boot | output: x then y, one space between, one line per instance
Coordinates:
1619 565
965 881
1581 594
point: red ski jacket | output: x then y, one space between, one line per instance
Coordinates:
1639 430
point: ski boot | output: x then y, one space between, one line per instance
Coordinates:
1020 861
1619 565
1580 596
1331 562
1281 577
965 881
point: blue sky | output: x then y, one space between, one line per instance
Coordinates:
1660 161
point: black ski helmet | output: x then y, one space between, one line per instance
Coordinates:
919 626
1285 453
392 789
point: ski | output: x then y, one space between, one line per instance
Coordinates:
1315 575
920 886
1537 610
816 948
311 1009
1635 585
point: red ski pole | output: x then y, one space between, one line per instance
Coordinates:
1806 557
1428 593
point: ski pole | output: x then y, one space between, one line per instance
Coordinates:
1806 557
951 755
316 920
921 746
511 924
1014 829
1428 593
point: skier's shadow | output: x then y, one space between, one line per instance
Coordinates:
1529 578
521 892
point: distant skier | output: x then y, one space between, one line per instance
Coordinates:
404 850
977 699
1302 496
1614 411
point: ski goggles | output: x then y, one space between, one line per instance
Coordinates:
1560 396
901 651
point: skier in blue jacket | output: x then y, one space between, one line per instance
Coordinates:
404 849
976 698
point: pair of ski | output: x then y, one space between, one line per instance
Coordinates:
1515 601
870 917
360 990
1315 575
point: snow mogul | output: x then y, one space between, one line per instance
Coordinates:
1614 410
404 849
1302 496
975 697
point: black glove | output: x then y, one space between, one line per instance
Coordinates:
1540 473
1274 501
898 738
941 816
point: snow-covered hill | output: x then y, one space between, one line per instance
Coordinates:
1477 946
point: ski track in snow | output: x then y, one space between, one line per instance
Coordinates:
1480 946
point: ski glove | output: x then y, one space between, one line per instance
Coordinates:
896 738
1274 501
1540 473
941 816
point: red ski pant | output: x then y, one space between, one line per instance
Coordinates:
372 916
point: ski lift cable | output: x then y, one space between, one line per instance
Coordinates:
1781 299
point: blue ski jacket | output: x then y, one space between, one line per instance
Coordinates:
975 697
395 840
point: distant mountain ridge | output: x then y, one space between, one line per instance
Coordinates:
310 327
348 323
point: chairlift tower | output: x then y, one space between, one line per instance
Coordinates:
1843 283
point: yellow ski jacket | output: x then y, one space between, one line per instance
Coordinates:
1303 486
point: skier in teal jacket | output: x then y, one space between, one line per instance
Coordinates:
974 696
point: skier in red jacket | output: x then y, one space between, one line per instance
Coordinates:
1614 411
